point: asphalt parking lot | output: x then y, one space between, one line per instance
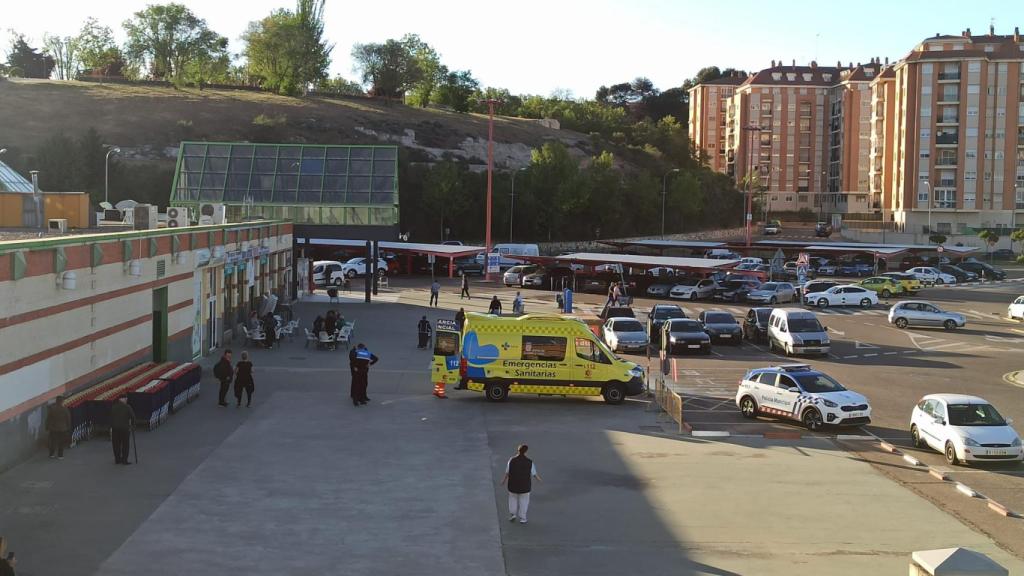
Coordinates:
893 368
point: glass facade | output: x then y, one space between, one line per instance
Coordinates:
307 184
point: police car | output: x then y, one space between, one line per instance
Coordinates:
798 392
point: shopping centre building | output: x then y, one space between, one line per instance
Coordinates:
77 308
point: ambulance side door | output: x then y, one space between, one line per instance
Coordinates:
549 355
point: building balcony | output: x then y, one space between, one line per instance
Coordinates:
949 99
946 162
949 76
948 121
947 140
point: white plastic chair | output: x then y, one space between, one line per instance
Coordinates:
326 340
310 337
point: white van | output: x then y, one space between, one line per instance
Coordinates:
508 251
752 260
327 272
795 331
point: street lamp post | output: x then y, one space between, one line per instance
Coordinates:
750 129
512 206
106 173
927 188
490 180
664 181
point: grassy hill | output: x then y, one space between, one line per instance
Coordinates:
146 120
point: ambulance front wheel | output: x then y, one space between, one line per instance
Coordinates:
497 392
614 393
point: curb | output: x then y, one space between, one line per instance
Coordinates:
945 477
1014 378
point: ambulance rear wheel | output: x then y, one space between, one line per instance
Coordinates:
614 393
497 392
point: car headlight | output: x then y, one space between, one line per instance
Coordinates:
830 404
1016 442
671 338
968 441
636 372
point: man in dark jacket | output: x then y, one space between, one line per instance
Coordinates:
460 318
58 425
423 329
223 371
495 307
122 419
360 363
519 472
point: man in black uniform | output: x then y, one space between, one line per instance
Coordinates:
360 360
518 475
223 372
423 328
122 418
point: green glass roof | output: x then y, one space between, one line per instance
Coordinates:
286 174
11 181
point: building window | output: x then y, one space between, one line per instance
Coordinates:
972 154
925 133
925 153
1020 198
971 175
972 111
944 227
961 228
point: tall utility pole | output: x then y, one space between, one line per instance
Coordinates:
750 130
490 180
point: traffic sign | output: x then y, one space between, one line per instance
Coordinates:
804 259
940 249
493 263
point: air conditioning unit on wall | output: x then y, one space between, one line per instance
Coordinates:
146 217
178 217
212 214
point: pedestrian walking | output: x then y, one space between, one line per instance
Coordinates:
269 330
616 293
435 291
519 473
517 305
460 318
495 307
465 287
423 328
58 426
361 362
244 381
122 419
223 371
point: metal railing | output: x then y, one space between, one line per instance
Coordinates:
669 401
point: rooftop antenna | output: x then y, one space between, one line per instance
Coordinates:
817 36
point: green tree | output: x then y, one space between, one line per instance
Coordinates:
1017 236
97 51
286 51
553 177
208 68
444 194
164 38
27 62
64 51
390 69
340 86
432 73
457 89
937 238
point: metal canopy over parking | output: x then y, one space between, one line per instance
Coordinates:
637 261
449 251
864 247
655 244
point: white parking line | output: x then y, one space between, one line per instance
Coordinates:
871 354
848 357
890 353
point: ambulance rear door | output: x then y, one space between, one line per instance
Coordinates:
447 346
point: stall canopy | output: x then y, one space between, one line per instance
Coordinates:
442 250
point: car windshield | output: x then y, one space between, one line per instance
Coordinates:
667 313
734 284
628 326
763 314
354 261
818 383
719 318
769 286
974 415
685 326
799 325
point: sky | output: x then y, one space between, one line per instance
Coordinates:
544 46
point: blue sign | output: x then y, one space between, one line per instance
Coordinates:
493 262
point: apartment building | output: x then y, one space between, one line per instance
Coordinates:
708 104
952 134
849 139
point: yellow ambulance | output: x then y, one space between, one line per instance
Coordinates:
531 354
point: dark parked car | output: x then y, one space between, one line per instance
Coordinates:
912 261
986 271
822 230
721 326
736 290
1004 254
658 315
684 334
755 324
617 312
468 265
959 273
854 269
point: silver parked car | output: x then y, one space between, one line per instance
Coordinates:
624 335
773 293
921 313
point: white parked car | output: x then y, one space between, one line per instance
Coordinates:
964 428
661 272
929 275
514 275
1016 309
921 313
357 267
693 289
751 260
799 392
327 272
843 295
625 335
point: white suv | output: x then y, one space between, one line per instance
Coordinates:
798 392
